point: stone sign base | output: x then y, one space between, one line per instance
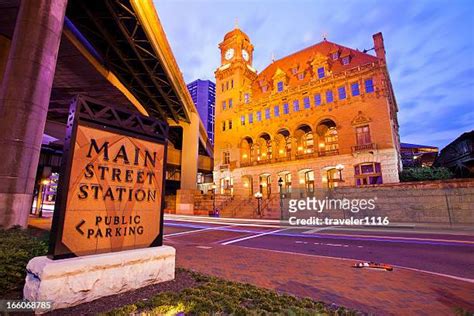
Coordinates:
74 281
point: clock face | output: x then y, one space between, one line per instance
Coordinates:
245 55
229 54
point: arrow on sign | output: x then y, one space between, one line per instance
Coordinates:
78 227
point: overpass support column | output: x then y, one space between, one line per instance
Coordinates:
24 100
189 166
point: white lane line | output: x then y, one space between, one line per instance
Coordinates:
203 247
252 236
352 260
315 230
196 231
334 245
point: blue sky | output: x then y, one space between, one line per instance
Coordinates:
429 44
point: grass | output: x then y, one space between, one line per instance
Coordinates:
220 297
17 247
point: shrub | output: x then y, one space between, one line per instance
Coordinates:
425 174
17 247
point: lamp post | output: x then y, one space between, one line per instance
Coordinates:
259 196
339 168
213 199
280 184
44 183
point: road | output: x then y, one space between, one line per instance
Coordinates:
444 253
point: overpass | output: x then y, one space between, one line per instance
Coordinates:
115 51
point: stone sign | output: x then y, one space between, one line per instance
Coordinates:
111 189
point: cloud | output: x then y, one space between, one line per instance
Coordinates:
429 44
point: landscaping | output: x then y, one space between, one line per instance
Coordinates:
190 293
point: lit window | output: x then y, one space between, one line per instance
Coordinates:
286 108
230 103
355 89
223 126
250 118
280 86
267 113
317 99
321 72
296 106
259 116
342 92
246 98
276 110
306 103
226 157
335 55
329 97
223 105
369 85
230 124
242 120
345 60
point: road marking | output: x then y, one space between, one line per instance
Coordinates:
252 236
403 238
352 260
334 245
196 231
203 247
315 230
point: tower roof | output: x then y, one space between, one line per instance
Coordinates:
236 32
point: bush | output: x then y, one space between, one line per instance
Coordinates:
425 174
220 297
17 247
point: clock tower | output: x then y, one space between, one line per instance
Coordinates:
234 78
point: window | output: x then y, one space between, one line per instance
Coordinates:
264 89
321 72
276 110
342 92
227 85
294 70
267 113
259 116
286 108
222 87
246 98
329 97
335 55
306 103
317 99
242 120
223 105
250 118
368 173
280 86
369 85
296 106
363 135
345 60
226 157
301 76
230 103
355 89
230 124
223 126
232 83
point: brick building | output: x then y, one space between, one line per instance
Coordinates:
324 116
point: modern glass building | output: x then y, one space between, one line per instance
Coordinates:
203 93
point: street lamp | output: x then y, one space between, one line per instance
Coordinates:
280 184
259 196
340 167
43 185
214 199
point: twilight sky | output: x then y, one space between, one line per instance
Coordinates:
429 44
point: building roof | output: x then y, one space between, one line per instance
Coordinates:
407 145
302 61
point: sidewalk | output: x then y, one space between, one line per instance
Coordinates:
400 292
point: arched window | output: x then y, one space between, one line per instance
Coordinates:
368 173
305 141
246 151
328 138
